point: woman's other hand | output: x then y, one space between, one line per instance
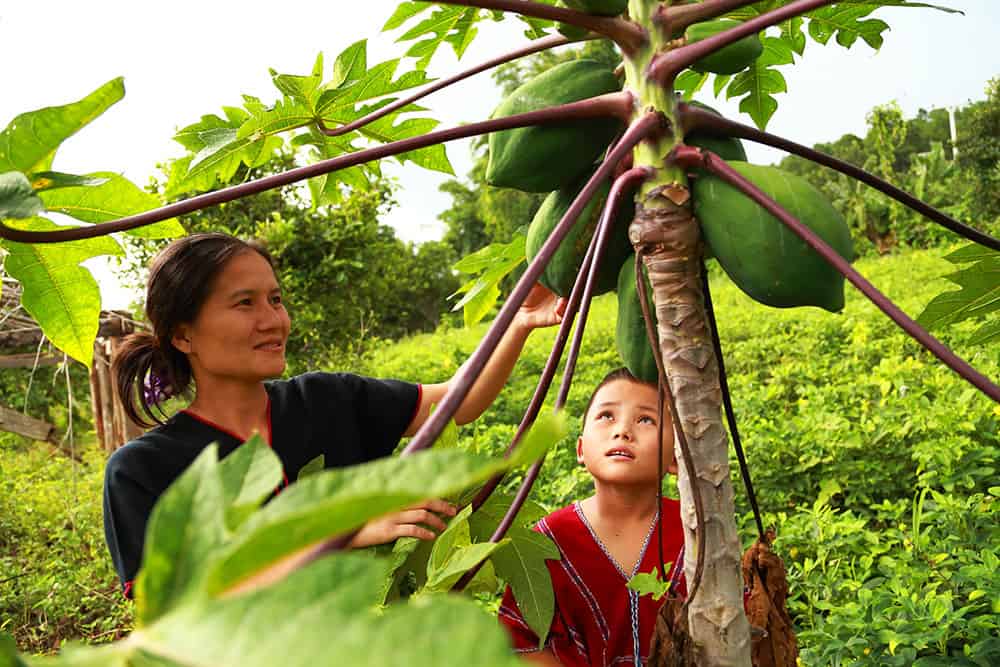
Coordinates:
422 521
541 308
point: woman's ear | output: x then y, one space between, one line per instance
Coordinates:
180 339
579 450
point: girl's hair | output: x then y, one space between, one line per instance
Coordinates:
147 368
617 374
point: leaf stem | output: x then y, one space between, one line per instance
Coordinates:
542 44
689 156
678 17
626 34
619 105
668 65
693 118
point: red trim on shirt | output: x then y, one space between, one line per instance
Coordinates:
416 408
209 422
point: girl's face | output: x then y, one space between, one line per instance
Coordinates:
619 440
241 330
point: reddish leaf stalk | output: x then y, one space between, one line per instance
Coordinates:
647 125
693 157
693 118
542 44
668 65
619 105
585 282
678 17
629 36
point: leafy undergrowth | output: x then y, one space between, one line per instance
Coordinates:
876 465
56 579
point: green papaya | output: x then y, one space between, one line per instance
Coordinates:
727 60
728 148
763 257
599 7
547 157
561 271
630 328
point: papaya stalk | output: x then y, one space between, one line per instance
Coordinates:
691 119
583 288
542 44
674 18
618 105
695 157
626 34
668 239
664 68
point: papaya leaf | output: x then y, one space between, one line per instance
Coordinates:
249 475
690 82
50 180
8 652
986 334
113 197
59 294
187 524
521 562
758 84
547 430
318 464
461 560
338 500
454 25
377 82
285 115
847 22
218 151
485 520
978 296
492 263
17 198
30 141
302 89
649 583
408 568
433 157
351 64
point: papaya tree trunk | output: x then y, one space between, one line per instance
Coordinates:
669 240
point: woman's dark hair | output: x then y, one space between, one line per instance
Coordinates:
617 374
147 368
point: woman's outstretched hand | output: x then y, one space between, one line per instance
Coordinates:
542 308
422 521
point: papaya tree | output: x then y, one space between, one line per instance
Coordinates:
625 155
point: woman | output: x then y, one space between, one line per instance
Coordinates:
218 323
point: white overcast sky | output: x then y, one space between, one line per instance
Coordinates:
182 59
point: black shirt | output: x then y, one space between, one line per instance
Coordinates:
348 419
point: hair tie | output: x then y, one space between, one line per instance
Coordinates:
155 389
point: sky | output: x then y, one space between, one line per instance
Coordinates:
185 59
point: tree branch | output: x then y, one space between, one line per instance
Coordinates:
542 44
668 65
629 36
678 17
693 157
584 285
693 118
619 105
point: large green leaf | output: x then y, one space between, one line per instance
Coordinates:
489 266
522 564
338 500
978 297
186 526
59 294
351 64
30 140
113 197
218 150
249 475
454 554
17 197
760 82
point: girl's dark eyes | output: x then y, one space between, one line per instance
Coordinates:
604 415
647 420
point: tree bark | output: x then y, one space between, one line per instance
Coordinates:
669 239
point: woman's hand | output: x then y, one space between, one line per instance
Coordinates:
417 521
541 308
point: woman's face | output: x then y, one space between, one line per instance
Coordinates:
241 330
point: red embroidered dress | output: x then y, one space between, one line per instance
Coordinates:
598 620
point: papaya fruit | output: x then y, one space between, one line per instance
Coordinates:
547 157
630 328
727 60
763 257
561 272
598 7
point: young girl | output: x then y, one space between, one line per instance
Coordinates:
218 323
609 537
